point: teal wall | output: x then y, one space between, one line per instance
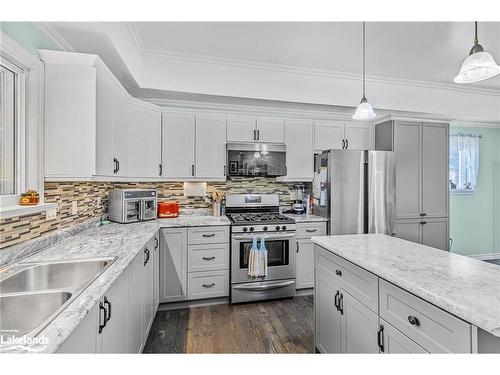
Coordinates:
475 217
27 36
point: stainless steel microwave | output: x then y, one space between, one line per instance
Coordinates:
256 159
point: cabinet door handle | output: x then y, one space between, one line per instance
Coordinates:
343 144
161 169
209 285
311 230
346 144
192 169
115 165
336 300
423 222
102 325
224 170
208 258
254 135
423 214
338 273
413 321
156 243
108 309
258 134
297 247
380 338
209 235
146 255
341 303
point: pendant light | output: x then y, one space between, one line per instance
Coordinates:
364 110
479 65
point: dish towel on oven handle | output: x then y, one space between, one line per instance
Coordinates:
253 258
263 257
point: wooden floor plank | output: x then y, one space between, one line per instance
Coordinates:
281 326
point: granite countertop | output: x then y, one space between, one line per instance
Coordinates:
466 287
306 218
123 241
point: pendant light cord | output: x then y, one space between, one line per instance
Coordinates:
476 40
364 59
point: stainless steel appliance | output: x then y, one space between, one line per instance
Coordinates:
258 215
355 189
256 159
131 205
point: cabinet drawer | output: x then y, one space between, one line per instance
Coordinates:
208 257
208 284
433 329
308 230
360 283
204 235
396 342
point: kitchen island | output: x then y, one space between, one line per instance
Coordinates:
376 293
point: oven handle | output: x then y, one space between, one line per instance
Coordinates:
266 236
251 286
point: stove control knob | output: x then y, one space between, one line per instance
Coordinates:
283 227
245 229
265 228
278 227
251 229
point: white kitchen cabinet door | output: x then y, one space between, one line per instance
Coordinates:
120 133
135 320
304 264
210 149
299 150
241 129
104 128
327 317
178 145
83 338
114 335
144 141
328 135
359 326
173 264
148 289
358 136
409 230
271 130
435 233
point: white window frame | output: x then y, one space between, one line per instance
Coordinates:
30 132
464 191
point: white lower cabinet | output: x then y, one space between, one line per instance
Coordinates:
304 259
120 321
173 264
348 319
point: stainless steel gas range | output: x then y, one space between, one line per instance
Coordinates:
257 215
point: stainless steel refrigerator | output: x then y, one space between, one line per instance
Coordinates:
356 190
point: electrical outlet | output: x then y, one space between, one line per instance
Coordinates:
74 208
51 213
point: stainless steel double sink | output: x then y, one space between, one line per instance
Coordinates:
33 294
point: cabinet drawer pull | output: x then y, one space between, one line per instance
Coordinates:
311 230
209 285
208 258
380 338
413 321
338 272
209 235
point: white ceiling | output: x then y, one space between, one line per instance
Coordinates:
425 51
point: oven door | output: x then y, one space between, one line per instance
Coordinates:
281 250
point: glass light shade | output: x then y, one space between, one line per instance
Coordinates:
477 67
364 111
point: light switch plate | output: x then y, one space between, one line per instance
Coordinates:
74 208
51 214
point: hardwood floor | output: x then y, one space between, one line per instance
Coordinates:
282 326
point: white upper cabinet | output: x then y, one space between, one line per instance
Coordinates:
120 133
144 140
178 132
270 130
328 135
241 129
210 146
299 150
342 135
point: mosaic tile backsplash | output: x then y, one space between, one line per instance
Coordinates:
18 229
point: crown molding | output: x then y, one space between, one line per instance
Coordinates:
256 65
53 35
136 37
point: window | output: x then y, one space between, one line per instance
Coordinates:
464 162
11 127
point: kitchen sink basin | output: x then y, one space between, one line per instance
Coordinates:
21 314
57 275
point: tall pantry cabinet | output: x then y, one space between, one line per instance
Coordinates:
422 194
